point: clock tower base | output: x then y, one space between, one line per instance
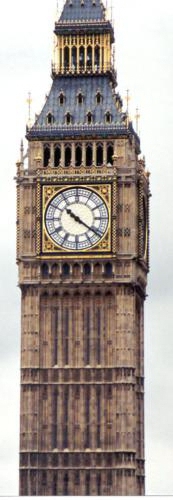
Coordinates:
82 388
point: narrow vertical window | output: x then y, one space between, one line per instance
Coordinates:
44 271
89 57
109 478
55 313
89 156
61 99
87 336
81 57
65 418
88 484
110 152
57 156
80 98
74 58
99 98
54 418
66 336
108 117
89 118
78 156
87 269
98 403
108 269
99 158
46 156
60 58
77 478
97 57
66 485
98 327
44 482
66 58
67 156
99 484
65 269
103 58
54 489
87 417
68 119
50 119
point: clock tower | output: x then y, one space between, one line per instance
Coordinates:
82 253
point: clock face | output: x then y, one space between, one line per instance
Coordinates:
76 219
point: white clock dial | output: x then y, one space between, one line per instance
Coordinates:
76 219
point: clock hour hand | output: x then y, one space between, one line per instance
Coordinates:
77 219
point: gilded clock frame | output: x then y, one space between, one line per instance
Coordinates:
51 249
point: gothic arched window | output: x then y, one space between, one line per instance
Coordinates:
78 159
66 58
68 119
76 270
55 270
81 57
44 270
87 269
67 156
46 156
97 269
80 98
99 156
97 57
74 57
110 152
89 155
50 119
89 57
108 117
108 269
89 118
65 269
99 98
57 156
61 98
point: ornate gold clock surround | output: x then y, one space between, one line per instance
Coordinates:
49 248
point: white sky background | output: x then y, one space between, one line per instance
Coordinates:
144 60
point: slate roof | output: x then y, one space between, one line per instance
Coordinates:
88 86
75 10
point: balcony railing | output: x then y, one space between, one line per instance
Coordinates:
82 69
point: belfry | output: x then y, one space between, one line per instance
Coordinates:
83 259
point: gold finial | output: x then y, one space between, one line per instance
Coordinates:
128 100
111 12
29 101
137 116
21 152
58 9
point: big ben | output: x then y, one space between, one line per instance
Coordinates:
83 260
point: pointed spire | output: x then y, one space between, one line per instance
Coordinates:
21 152
82 10
29 102
137 117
